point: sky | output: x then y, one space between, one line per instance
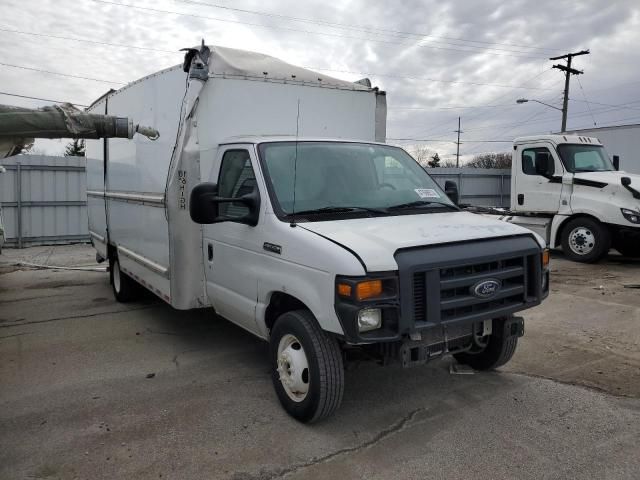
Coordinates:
436 60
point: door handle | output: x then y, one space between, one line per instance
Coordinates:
521 199
210 252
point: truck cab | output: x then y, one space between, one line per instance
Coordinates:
572 193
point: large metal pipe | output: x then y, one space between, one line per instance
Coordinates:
21 125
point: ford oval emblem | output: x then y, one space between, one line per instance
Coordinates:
486 288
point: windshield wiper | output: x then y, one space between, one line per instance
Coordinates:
335 209
419 203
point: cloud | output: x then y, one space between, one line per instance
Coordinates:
511 45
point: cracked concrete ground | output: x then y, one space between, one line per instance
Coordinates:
75 400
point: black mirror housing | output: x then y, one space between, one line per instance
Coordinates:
201 206
204 200
451 189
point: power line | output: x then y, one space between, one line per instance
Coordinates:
426 79
366 28
446 141
204 17
86 40
61 74
38 98
373 74
621 106
451 107
585 99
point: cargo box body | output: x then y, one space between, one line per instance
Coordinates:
129 181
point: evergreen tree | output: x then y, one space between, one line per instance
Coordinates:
75 149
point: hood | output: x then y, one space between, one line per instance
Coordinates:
610 178
375 240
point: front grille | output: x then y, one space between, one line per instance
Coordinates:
451 286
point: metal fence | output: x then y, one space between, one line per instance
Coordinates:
477 186
44 200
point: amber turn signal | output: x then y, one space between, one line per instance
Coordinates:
369 289
344 290
545 258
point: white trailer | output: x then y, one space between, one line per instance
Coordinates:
257 202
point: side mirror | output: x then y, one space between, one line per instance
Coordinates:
616 162
204 203
451 189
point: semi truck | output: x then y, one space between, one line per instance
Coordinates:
567 189
271 198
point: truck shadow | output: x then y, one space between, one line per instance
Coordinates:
235 354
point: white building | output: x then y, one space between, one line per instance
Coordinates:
621 140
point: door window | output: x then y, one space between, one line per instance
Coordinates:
532 155
236 179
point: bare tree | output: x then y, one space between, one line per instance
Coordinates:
491 160
421 153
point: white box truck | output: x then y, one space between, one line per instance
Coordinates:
567 189
257 201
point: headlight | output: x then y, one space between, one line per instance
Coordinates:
369 319
632 216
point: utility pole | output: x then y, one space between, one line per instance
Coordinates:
568 72
458 145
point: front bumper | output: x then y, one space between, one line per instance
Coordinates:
436 302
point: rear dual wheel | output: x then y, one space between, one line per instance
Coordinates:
125 289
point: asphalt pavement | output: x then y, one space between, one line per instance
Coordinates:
90 388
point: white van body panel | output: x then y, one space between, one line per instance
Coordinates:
376 239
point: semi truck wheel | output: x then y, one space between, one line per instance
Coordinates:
125 289
628 248
306 365
498 350
585 240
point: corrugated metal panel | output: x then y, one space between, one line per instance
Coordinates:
44 200
477 186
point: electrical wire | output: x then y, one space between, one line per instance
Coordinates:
61 74
311 32
39 98
366 28
585 99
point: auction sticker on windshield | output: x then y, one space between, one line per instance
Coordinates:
426 193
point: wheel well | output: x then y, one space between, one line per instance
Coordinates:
563 225
281 303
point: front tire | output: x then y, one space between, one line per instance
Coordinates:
306 365
125 289
585 240
498 351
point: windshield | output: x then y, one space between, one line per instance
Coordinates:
337 176
585 158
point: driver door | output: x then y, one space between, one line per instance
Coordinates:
231 248
536 192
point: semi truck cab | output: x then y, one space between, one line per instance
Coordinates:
567 189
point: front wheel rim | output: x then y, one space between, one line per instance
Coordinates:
293 368
116 276
582 241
